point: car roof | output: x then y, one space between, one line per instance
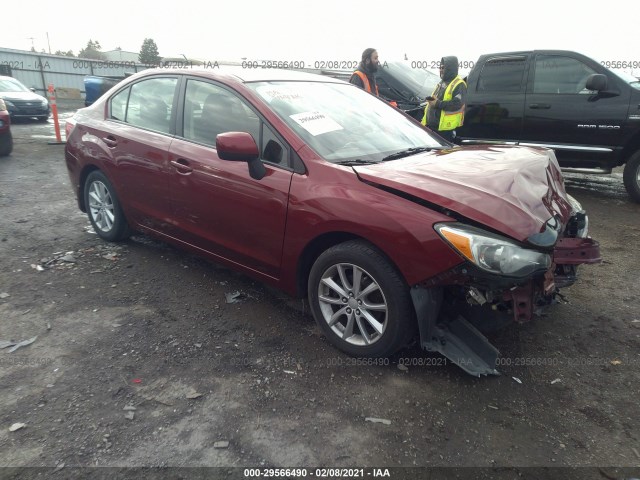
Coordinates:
245 75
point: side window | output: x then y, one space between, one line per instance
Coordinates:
502 75
150 104
118 109
558 74
273 150
210 110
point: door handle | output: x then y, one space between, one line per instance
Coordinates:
110 141
182 166
540 106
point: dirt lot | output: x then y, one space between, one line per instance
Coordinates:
142 325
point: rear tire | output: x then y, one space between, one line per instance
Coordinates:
103 208
6 144
360 300
631 177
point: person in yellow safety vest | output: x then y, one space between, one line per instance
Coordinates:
364 76
445 107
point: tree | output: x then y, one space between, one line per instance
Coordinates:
68 53
149 52
92 51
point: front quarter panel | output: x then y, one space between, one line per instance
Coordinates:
342 204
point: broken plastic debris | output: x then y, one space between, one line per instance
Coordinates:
290 372
23 343
557 380
221 444
235 297
616 362
6 343
68 258
17 426
129 415
493 407
137 380
4 295
517 379
129 408
402 367
378 420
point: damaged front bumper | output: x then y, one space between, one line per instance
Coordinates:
445 304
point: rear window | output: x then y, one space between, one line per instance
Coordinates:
503 74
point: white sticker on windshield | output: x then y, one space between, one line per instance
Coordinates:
316 123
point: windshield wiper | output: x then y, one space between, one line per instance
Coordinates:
408 152
356 161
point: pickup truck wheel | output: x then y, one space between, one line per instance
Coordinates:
6 144
631 176
103 208
360 300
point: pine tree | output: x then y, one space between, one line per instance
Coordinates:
149 52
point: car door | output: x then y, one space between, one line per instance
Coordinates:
140 129
582 126
218 207
495 102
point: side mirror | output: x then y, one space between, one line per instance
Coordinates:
596 81
241 147
33 89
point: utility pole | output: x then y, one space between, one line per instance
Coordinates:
49 44
32 39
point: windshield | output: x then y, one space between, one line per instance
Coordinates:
342 122
628 78
11 85
419 80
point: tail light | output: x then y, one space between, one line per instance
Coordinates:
3 106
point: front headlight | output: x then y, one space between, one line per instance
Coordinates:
492 253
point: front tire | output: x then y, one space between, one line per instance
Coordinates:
103 208
631 177
360 300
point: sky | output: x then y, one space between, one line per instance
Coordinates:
325 30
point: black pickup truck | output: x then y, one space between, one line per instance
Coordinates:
563 100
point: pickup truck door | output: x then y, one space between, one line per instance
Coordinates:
495 101
584 127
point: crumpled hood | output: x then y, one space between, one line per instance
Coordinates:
514 190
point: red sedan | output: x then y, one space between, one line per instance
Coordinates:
6 140
323 190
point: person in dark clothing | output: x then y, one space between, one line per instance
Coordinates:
445 107
364 76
